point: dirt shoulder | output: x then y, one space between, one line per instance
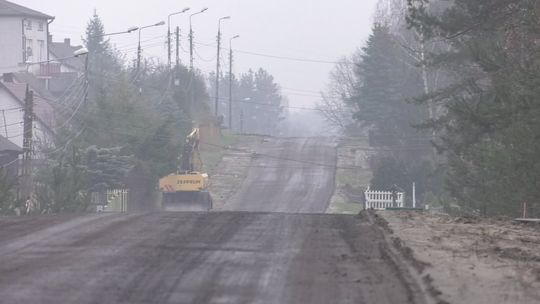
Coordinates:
471 260
228 166
353 175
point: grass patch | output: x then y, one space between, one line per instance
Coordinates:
212 155
357 178
341 207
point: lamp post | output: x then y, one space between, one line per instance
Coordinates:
218 61
80 52
191 37
169 33
139 49
231 80
128 31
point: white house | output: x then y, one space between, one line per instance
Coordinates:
62 50
59 75
12 102
24 33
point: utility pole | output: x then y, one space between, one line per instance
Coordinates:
414 195
27 183
218 62
191 37
139 49
230 88
139 53
5 123
169 44
217 70
231 80
177 47
190 46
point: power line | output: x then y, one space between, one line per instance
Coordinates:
298 59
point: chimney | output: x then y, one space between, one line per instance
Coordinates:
67 41
8 77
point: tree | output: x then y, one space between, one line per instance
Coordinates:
8 186
336 106
489 128
62 186
106 168
381 100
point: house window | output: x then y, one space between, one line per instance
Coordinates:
40 26
28 24
41 46
29 48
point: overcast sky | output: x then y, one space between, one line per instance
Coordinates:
319 30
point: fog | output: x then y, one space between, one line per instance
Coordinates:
319 32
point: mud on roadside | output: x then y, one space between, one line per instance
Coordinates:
469 260
353 176
232 169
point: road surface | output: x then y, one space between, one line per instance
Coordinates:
294 175
216 257
230 257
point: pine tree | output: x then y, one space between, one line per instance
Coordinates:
388 82
490 127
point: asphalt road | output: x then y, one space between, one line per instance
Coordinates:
294 175
230 257
216 257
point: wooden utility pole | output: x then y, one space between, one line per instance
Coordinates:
217 72
230 88
177 46
27 183
169 44
5 123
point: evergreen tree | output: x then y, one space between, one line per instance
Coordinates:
490 128
387 84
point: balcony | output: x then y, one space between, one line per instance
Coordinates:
50 69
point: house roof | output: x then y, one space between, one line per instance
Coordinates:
42 109
6 145
35 83
11 9
64 50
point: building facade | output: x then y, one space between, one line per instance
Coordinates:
24 35
12 97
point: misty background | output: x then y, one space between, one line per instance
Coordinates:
304 30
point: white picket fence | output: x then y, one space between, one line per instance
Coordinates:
381 200
114 200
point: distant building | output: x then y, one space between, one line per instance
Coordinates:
24 33
60 75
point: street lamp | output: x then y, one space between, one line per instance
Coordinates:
218 61
169 32
80 52
129 30
191 37
139 49
231 79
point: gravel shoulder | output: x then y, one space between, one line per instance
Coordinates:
232 167
470 260
353 175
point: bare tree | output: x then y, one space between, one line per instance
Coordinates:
335 105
